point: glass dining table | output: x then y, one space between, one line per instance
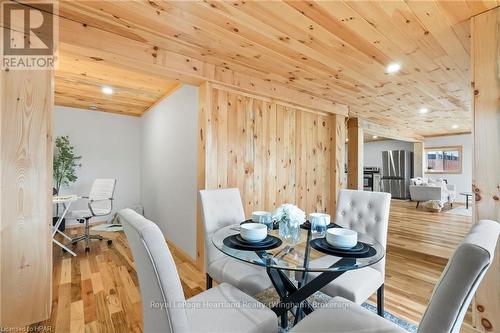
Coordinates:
302 256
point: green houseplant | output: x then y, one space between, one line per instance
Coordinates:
65 163
64 167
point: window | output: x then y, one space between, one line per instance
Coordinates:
444 159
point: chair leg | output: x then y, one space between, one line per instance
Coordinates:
87 236
418 203
209 281
380 301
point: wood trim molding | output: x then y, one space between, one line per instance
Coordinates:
389 132
447 134
485 33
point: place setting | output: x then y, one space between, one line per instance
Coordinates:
253 234
323 235
342 242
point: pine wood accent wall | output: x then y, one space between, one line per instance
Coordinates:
486 181
25 196
273 153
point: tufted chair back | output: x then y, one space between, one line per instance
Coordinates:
367 213
161 289
220 208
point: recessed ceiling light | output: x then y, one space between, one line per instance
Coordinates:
347 140
375 137
454 126
393 67
93 107
107 90
423 110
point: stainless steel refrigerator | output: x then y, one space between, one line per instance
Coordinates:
397 170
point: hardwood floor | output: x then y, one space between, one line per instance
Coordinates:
98 292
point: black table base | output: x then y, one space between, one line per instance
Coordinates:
292 296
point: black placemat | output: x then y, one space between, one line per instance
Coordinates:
238 243
307 225
361 250
275 224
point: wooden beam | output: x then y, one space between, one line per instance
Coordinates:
105 46
25 196
355 150
389 132
485 53
418 159
205 105
338 136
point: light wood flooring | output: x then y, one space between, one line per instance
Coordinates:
98 292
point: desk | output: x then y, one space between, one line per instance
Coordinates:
66 200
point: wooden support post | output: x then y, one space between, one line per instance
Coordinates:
485 70
337 179
25 196
418 159
355 154
204 139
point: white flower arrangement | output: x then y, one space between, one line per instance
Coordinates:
289 213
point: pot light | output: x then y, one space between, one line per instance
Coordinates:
347 140
93 107
423 110
107 90
375 137
393 67
454 126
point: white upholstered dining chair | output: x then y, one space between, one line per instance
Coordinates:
367 213
449 301
220 309
221 208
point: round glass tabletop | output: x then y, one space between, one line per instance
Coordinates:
300 256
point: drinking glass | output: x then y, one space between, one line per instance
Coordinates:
267 220
318 226
293 232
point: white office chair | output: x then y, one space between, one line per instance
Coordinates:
100 203
449 302
222 208
220 309
368 213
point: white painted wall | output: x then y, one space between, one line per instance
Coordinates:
373 150
463 181
169 166
110 147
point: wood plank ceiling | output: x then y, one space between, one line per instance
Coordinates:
79 82
337 50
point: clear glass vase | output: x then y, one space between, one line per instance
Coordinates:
289 231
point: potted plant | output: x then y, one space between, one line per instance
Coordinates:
64 169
